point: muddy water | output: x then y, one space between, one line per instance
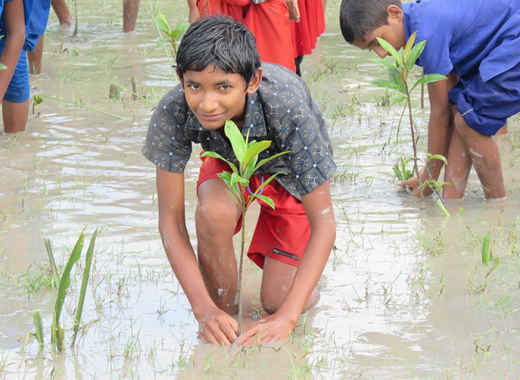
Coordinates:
404 294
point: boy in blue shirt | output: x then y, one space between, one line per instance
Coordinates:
21 25
476 43
222 79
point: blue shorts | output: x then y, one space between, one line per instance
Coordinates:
18 90
485 106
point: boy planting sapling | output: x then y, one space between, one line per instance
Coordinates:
475 43
221 78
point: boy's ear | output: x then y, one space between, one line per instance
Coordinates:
254 83
394 13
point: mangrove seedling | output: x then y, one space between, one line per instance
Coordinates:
399 70
401 170
37 99
172 35
57 334
247 154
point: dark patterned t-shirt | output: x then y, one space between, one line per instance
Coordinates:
281 110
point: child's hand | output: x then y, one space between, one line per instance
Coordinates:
217 327
416 187
268 330
294 11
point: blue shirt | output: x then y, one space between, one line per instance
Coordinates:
466 35
36 13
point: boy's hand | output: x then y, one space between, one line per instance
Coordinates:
268 330
217 327
416 186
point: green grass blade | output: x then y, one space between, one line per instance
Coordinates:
52 262
57 332
38 325
84 283
443 209
485 249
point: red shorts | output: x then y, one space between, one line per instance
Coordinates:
281 234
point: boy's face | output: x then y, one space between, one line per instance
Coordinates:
215 96
393 33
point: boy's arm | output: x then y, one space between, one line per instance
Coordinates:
318 207
194 14
14 21
439 134
215 326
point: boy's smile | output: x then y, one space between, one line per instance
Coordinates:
215 96
393 32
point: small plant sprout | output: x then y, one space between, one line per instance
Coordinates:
246 153
401 170
37 99
172 35
399 70
63 283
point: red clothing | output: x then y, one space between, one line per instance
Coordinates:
310 27
281 234
268 21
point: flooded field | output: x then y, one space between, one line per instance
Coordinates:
404 294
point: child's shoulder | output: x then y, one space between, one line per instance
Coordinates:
173 104
283 89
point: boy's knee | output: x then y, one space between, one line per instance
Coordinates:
271 301
215 216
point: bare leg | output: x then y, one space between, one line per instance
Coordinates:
35 57
277 280
15 116
130 11
216 218
457 171
485 157
62 12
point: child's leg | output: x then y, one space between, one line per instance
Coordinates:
15 116
216 219
458 168
130 11
62 12
277 280
485 156
15 106
35 57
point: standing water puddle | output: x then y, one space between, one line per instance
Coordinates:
404 294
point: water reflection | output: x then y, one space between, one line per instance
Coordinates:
399 292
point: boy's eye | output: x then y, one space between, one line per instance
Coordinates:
193 86
224 87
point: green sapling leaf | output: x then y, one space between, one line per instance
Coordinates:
389 48
162 23
267 200
216 155
415 53
237 140
253 150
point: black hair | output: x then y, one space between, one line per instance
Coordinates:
219 41
358 18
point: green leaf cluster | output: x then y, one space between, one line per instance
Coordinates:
401 170
172 34
401 66
247 154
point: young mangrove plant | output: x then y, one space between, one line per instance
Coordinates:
401 170
169 34
247 154
63 283
399 70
